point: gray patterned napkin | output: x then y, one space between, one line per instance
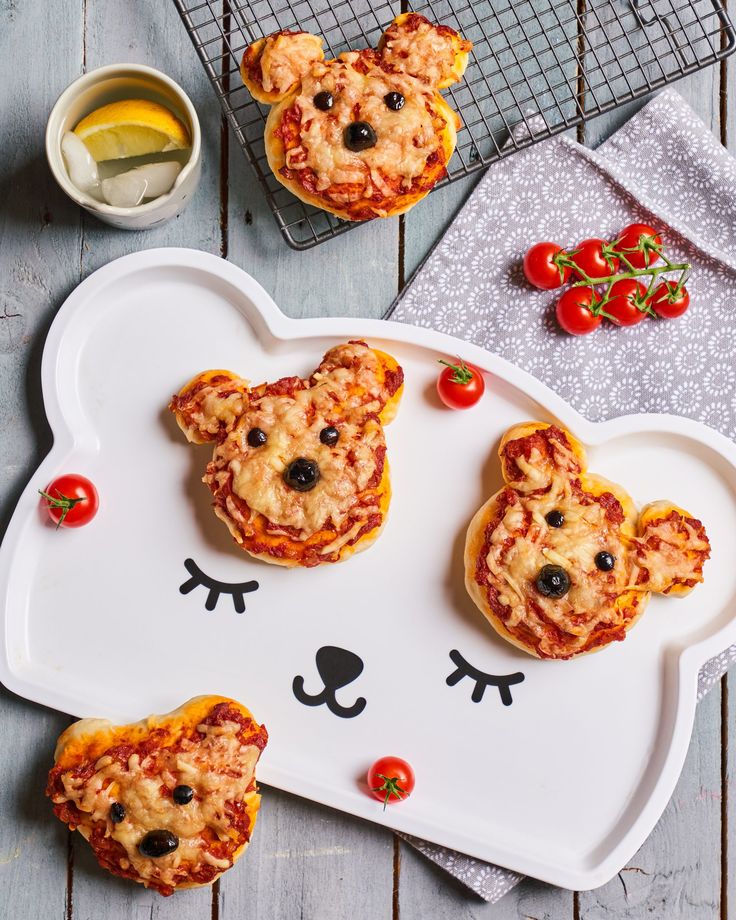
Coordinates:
662 167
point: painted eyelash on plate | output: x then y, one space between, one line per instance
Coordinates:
237 590
503 682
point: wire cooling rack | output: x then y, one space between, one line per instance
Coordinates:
563 60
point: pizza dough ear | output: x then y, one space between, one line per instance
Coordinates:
433 54
273 67
209 406
533 452
670 549
373 378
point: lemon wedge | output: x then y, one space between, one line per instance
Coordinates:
131 128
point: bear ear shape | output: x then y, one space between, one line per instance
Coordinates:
670 550
356 376
273 67
532 453
209 406
433 54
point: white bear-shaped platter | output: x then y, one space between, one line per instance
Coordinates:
554 769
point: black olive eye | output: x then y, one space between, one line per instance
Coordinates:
605 561
158 843
555 518
257 437
329 436
117 812
394 101
553 581
323 101
302 475
182 795
359 135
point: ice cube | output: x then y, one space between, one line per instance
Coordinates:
129 188
126 190
80 164
160 176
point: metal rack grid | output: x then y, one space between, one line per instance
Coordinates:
563 61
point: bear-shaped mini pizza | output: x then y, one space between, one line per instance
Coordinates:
299 472
171 801
366 134
559 560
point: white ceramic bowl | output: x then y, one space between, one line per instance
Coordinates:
110 84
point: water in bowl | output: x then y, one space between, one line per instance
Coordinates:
122 183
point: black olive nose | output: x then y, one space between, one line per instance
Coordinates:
158 843
359 135
552 581
302 475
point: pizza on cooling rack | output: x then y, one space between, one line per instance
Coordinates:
299 471
366 134
171 801
560 562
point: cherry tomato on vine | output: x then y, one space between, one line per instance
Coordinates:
669 300
575 311
542 270
71 500
640 244
627 305
460 385
390 780
595 258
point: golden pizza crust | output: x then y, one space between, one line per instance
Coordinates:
399 204
355 388
305 143
298 51
680 545
87 742
453 64
474 544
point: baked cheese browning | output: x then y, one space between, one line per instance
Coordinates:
366 134
552 513
294 425
412 150
520 542
670 551
538 460
210 405
436 55
210 745
273 66
353 392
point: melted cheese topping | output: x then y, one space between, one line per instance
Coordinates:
671 552
217 766
546 473
293 427
285 57
349 391
210 405
405 139
522 543
426 51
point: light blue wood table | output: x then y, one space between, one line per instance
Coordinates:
306 861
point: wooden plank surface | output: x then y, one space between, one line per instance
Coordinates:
305 861
40 254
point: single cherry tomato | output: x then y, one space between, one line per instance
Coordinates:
595 259
640 244
542 266
390 780
670 300
627 305
576 311
460 385
71 500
